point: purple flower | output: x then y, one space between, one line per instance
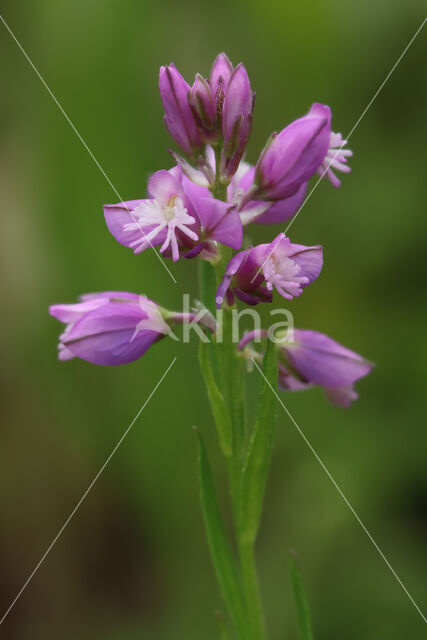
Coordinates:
179 119
293 156
312 359
109 328
236 118
252 274
180 216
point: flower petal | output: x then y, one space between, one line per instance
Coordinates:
220 222
284 209
321 360
309 259
106 336
220 73
163 186
232 267
178 119
72 312
238 104
341 396
294 155
123 224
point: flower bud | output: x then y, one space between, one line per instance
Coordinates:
220 75
236 118
203 106
179 120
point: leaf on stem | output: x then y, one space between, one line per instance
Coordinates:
216 399
259 450
219 545
301 602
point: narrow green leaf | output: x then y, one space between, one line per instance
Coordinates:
216 399
301 602
259 451
231 369
219 545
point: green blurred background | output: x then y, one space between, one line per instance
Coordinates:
133 562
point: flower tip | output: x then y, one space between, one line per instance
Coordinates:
52 310
222 58
320 110
168 75
106 208
220 73
162 72
240 73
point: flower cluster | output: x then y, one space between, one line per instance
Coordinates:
202 205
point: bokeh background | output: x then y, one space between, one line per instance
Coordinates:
133 562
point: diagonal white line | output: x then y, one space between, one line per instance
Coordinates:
42 80
43 558
342 494
346 138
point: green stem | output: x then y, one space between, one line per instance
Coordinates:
231 375
230 372
207 285
251 590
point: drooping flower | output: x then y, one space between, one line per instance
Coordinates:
178 119
293 156
110 328
310 358
252 274
180 216
117 327
315 359
336 158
